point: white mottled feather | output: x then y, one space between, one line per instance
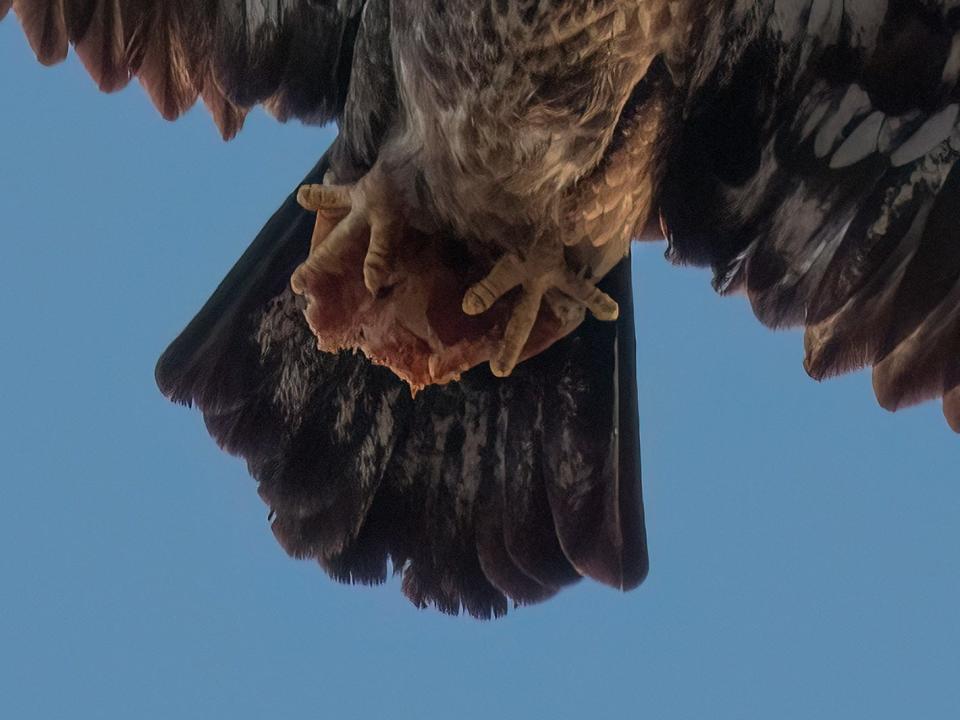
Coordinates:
934 131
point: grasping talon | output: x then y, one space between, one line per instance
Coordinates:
344 214
544 270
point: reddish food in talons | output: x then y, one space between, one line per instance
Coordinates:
416 326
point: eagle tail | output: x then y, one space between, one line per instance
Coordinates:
479 493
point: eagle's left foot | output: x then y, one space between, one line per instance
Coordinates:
542 273
345 214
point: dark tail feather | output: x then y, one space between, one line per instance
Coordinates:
592 433
200 366
479 492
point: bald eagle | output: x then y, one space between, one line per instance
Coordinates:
467 233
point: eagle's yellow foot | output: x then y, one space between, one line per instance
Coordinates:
543 272
345 215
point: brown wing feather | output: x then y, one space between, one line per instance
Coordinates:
819 172
168 68
44 23
226 114
293 55
101 45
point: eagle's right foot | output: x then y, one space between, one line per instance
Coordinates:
543 274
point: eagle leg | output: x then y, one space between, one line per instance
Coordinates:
345 214
542 274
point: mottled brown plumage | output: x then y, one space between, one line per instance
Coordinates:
806 150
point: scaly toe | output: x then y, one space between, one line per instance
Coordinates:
506 274
600 305
326 199
338 229
515 337
377 264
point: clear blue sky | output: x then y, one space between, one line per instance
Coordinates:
805 544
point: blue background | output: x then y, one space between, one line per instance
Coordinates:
805 544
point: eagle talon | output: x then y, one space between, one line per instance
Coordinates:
539 275
345 213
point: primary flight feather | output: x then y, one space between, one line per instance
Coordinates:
467 231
